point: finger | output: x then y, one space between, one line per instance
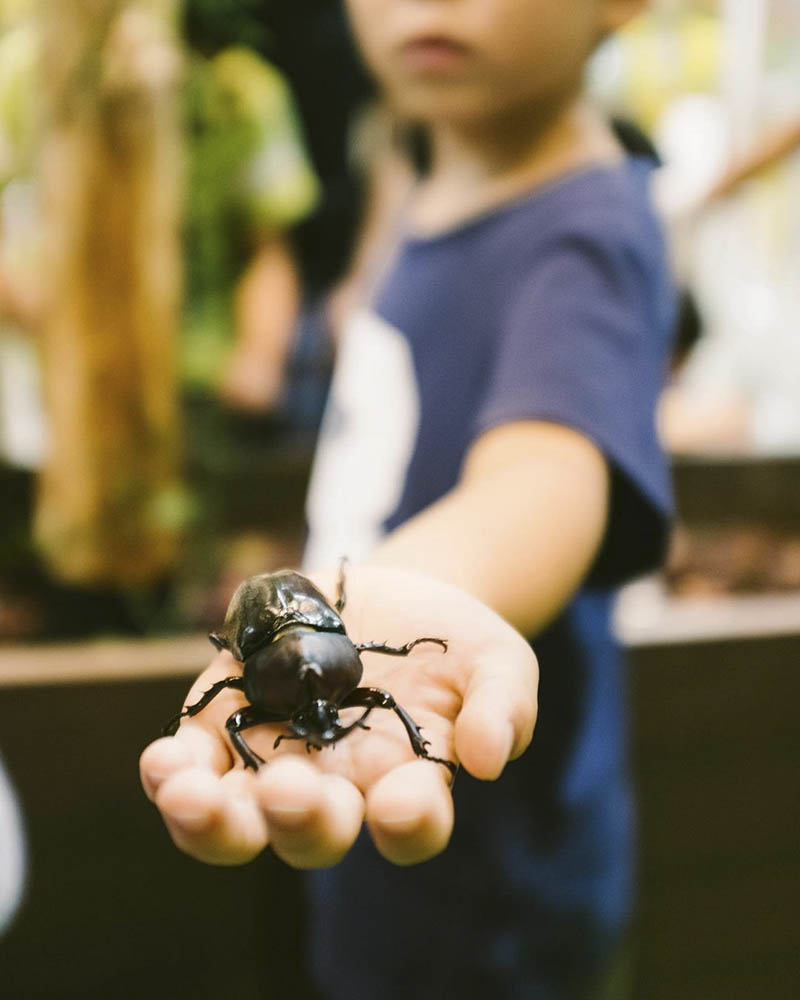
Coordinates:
410 812
313 817
497 718
216 820
192 745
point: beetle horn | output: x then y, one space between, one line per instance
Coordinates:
309 668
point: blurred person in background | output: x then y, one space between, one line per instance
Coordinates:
490 426
249 182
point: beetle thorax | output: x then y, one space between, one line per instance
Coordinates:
300 666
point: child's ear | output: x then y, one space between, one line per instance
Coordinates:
614 14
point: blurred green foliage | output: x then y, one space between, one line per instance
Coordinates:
247 174
210 25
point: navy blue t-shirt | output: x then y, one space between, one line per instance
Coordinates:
557 306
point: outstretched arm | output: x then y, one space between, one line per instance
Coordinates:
518 534
522 527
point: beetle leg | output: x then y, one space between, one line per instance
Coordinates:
189 710
286 736
341 596
371 698
382 647
243 718
359 723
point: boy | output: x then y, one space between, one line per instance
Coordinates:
521 334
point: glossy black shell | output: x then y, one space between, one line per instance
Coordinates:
303 665
264 605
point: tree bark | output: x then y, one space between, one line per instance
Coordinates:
109 505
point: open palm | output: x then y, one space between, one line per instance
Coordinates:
475 703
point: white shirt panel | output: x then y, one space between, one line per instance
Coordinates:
366 442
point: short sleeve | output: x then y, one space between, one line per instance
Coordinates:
585 344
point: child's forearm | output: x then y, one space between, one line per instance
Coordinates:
521 528
268 298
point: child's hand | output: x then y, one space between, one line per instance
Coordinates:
476 704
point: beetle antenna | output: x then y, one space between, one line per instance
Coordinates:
341 597
217 640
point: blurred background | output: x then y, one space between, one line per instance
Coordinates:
188 197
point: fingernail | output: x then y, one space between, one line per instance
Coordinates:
401 826
289 821
159 774
191 822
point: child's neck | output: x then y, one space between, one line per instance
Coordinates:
480 166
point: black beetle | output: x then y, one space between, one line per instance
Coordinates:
299 666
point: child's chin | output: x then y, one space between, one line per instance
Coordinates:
432 103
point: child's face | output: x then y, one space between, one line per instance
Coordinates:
461 60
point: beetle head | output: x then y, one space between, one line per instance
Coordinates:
317 723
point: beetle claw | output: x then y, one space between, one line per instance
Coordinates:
422 741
